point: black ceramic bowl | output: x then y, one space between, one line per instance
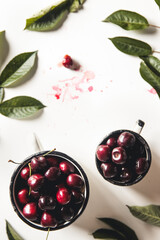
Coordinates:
141 149
15 182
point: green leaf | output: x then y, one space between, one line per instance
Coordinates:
76 5
153 63
50 18
20 107
149 214
11 233
158 2
120 227
131 46
149 76
107 234
1 94
128 20
17 68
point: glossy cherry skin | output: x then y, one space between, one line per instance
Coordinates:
47 220
52 161
125 175
63 196
35 181
47 203
77 197
42 161
35 194
67 61
66 167
25 173
111 142
103 153
52 173
30 211
126 140
75 181
35 165
109 170
119 155
141 165
67 213
23 196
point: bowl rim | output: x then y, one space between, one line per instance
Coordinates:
148 150
53 154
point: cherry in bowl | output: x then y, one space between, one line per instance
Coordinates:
127 159
49 190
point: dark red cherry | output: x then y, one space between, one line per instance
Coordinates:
47 203
77 197
75 181
109 170
23 196
34 164
35 194
67 61
25 173
48 220
30 211
126 139
125 175
103 153
35 181
52 173
111 142
66 167
42 161
52 161
67 213
141 165
63 196
119 155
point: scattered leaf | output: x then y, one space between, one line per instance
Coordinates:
153 63
1 94
131 46
149 214
17 68
108 234
11 233
120 227
50 18
76 5
128 20
20 107
149 76
158 2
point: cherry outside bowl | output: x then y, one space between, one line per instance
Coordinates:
63 157
147 153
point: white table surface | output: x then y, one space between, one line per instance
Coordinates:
76 126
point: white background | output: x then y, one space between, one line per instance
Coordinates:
76 126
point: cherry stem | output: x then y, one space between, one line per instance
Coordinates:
154 26
48 233
30 173
13 162
156 52
49 152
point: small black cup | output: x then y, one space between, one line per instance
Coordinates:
15 181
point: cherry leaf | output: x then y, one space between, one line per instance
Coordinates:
158 2
11 233
1 94
76 5
107 234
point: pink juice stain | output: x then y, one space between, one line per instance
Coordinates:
152 90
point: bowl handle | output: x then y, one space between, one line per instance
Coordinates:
139 126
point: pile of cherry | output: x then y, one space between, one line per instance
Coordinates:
121 158
49 191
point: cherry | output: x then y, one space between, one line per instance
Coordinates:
125 175
25 173
52 161
67 61
111 142
74 180
77 197
141 165
47 203
119 155
66 167
47 220
35 181
52 173
30 211
35 194
23 196
67 213
63 196
34 164
103 153
126 139
42 161
109 170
